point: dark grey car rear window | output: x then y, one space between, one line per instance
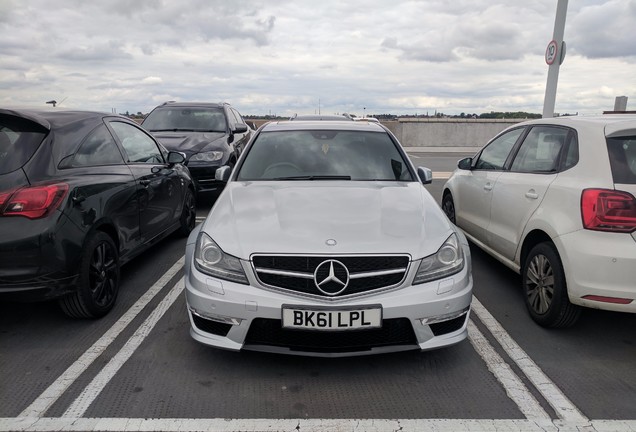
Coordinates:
19 139
622 153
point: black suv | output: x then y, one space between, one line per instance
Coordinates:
210 134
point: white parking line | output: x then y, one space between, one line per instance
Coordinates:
307 425
515 388
90 393
60 385
440 175
564 408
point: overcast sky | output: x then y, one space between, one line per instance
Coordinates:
285 57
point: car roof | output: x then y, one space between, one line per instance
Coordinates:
55 117
609 124
326 117
604 119
193 104
298 125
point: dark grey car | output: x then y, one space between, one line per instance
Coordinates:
211 135
81 194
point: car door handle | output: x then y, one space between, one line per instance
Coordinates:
488 186
532 194
144 182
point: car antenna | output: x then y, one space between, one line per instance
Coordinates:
55 103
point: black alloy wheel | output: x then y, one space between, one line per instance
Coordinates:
448 206
188 213
98 283
545 289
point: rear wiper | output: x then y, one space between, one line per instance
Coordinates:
315 177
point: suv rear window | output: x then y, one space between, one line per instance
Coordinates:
19 139
622 153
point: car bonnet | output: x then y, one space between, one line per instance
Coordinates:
191 143
309 217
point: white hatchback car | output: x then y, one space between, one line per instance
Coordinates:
553 199
325 242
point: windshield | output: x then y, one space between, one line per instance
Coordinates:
175 119
19 139
324 155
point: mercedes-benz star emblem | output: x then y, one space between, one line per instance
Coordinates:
331 277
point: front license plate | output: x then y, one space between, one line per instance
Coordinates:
325 319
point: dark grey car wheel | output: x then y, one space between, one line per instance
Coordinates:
448 206
188 214
545 290
98 282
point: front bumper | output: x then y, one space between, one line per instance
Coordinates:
203 177
233 316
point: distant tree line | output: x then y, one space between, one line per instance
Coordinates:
490 115
389 117
509 115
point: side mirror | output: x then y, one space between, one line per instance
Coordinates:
176 157
465 163
425 175
223 173
239 128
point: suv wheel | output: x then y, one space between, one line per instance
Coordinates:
544 287
98 282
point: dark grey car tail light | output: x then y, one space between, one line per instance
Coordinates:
33 202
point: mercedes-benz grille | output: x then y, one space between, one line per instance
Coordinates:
331 276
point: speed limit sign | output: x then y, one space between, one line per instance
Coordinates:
551 52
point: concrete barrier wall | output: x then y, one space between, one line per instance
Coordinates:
444 132
447 132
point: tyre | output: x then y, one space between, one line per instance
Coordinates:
98 282
188 214
545 290
448 206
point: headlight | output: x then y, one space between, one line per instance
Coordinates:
211 260
207 156
448 260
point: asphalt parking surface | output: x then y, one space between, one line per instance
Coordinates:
138 368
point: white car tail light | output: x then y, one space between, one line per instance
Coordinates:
608 210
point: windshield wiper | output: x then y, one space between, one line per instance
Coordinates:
173 130
315 177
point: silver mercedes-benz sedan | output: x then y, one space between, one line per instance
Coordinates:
325 242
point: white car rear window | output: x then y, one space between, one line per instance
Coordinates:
622 153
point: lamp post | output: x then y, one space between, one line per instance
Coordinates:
554 55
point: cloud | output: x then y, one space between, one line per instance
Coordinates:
285 56
151 80
604 31
102 52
